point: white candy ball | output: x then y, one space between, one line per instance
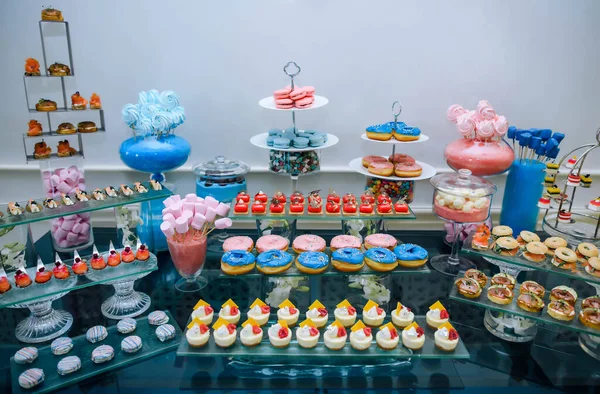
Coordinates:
480 203
442 202
449 199
468 207
458 203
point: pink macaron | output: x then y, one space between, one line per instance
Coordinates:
310 90
297 94
282 93
305 102
284 106
285 101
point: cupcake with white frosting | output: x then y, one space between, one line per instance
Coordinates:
437 315
230 312
224 333
317 313
446 337
204 312
335 336
251 335
387 337
402 316
288 313
197 333
260 312
413 336
307 334
280 334
360 336
373 315
345 313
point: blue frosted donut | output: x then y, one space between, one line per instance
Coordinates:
410 252
381 255
313 260
238 258
409 130
273 259
348 255
383 128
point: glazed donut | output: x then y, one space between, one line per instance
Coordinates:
554 242
380 241
381 168
367 160
237 262
564 258
401 158
410 255
406 170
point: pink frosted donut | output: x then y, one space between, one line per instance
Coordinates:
380 241
344 241
372 159
271 242
308 243
401 158
381 168
238 243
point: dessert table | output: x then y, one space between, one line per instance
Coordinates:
552 363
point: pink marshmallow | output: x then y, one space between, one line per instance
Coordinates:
210 214
199 199
165 211
222 209
188 206
55 180
199 208
181 225
60 233
73 178
177 209
198 221
83 238
167 229
63 243
71 237
85 228
169 218
188 215
63 187
190 197
67 225
223 223
77 228
73 168
63 173
46 174
176 197
211 202
47 185
167 202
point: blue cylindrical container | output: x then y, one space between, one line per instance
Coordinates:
523 189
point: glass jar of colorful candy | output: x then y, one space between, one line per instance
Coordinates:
394 189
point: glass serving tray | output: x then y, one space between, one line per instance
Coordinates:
512 308
79 207
47 361
331 271
266 350
36 291
545 265
319 217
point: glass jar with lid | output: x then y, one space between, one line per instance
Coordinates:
220 178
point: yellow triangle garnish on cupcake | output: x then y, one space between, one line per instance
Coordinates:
201 303
343 304
389 326
282 323
359 325
257 302
229 303
413 324
446 325
220 322
370 305
398 307
437 305
316 305
287 303
308 322
250 321
193 323
336 324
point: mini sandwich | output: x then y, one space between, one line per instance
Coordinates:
592 266
501 231
535 251
468 287
530 302
564 293
506 246
66 128
527 236
561 310
564 258
504 279
499 294
86 127
585 250
530 286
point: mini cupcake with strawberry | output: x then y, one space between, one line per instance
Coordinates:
251 333
437 315
307 334
317 313
280 334
446 337
230 312
345 313
413 336
373 315
259 311
335 336
203 312
288 312
387 337
197 333
224 333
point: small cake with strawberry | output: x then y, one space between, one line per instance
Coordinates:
60 270
315 203
280 197
288 312
384 208
296 205
349 197
197 333
594 205
97 261
345 313
332 208
241 208
114 258
41 275
80 266
367 197
401 208
276 207
335 336
280 334
127 255
297 196
564 216
224 333
366 208
203 312
251 333
258 208
360 336
230 312
446 337
307 334
243 197
402 316
573 180
333 196
350 208
4 282
317 313
373 315
437 315
259 311
413 336
387 337
22 280
262 197
544 202
141 251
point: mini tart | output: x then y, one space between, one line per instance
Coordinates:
359 339
590 317
530 286
477 275
591 302
402 318
445 339
332 339
564 293
561 310
501 231
223 338
249 337
564 258
504 279
412 340
305 337
499 294
467 287
372 318
317 318
433 318
530 302
204 318
196 338
343 316
275 338
386 340
290 318
228 317
585 250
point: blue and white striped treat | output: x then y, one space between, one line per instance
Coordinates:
96 334
31 378
68 365
165 332
102 354
157 318
131 344
27 355
126 325
62 345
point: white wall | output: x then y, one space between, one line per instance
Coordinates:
535 61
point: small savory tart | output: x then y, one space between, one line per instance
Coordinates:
468 287
564 293
590 317
561 310
506 246
530 286
530 302
477 275
535 252
504 279
499 294
591 302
